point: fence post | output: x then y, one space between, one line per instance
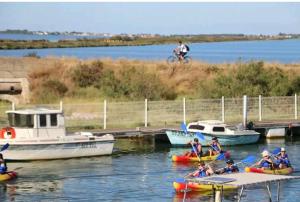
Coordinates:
104 115
259 108
61 105
296 107
245 111
223 109
146 113
184 120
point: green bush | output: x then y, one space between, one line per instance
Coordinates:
51 90
87 75
250 79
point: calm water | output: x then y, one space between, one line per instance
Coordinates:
139 170
284 51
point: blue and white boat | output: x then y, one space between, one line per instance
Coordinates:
227 135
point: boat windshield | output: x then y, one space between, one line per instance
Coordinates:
20 120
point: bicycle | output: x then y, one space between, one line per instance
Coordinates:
175 59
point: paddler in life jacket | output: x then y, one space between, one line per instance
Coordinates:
197 147
282 159
266 162
202 171
230 168
3 167
215 147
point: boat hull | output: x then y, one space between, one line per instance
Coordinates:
59 150
179 138
8 176
196 187
284 171
183 158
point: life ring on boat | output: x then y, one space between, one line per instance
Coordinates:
7 133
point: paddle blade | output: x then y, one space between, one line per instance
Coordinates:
200 136
276 151
249 159
221 156
180 180
4 147
183 127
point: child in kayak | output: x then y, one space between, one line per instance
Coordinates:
202 171
282 159
3 167
266 162
215 147
230 168
197 147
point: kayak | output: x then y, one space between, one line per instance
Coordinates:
284 171
8 176
182 158
180 186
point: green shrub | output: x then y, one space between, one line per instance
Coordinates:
87 75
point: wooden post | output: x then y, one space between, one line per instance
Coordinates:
260 108
184 120
13 106
223 109
104 115
146 113
296 107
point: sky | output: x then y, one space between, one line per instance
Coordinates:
153 17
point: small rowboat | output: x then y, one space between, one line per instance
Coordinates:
284 171
8 176
183 158
180 186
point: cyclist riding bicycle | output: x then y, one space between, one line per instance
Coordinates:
181 50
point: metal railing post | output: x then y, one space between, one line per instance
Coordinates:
184 120
223 109
296 107
259 108
146 113
104 115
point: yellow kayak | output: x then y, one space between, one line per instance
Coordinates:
284 171
183 158
8 176
180 186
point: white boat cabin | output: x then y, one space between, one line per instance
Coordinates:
36 123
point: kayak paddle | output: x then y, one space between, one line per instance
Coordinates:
4 147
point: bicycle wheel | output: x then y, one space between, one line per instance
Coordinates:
171 59
187 59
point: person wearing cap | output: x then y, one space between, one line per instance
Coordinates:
215 147
196 147
202 171
266 162
230 168
282 159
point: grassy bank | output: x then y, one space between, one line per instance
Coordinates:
70 79
125 41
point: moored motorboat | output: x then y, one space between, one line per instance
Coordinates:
227 135
181 185
38 134
8 176
183 158
284 171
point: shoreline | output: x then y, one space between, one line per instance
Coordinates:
7 44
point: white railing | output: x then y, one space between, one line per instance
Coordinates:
147 113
